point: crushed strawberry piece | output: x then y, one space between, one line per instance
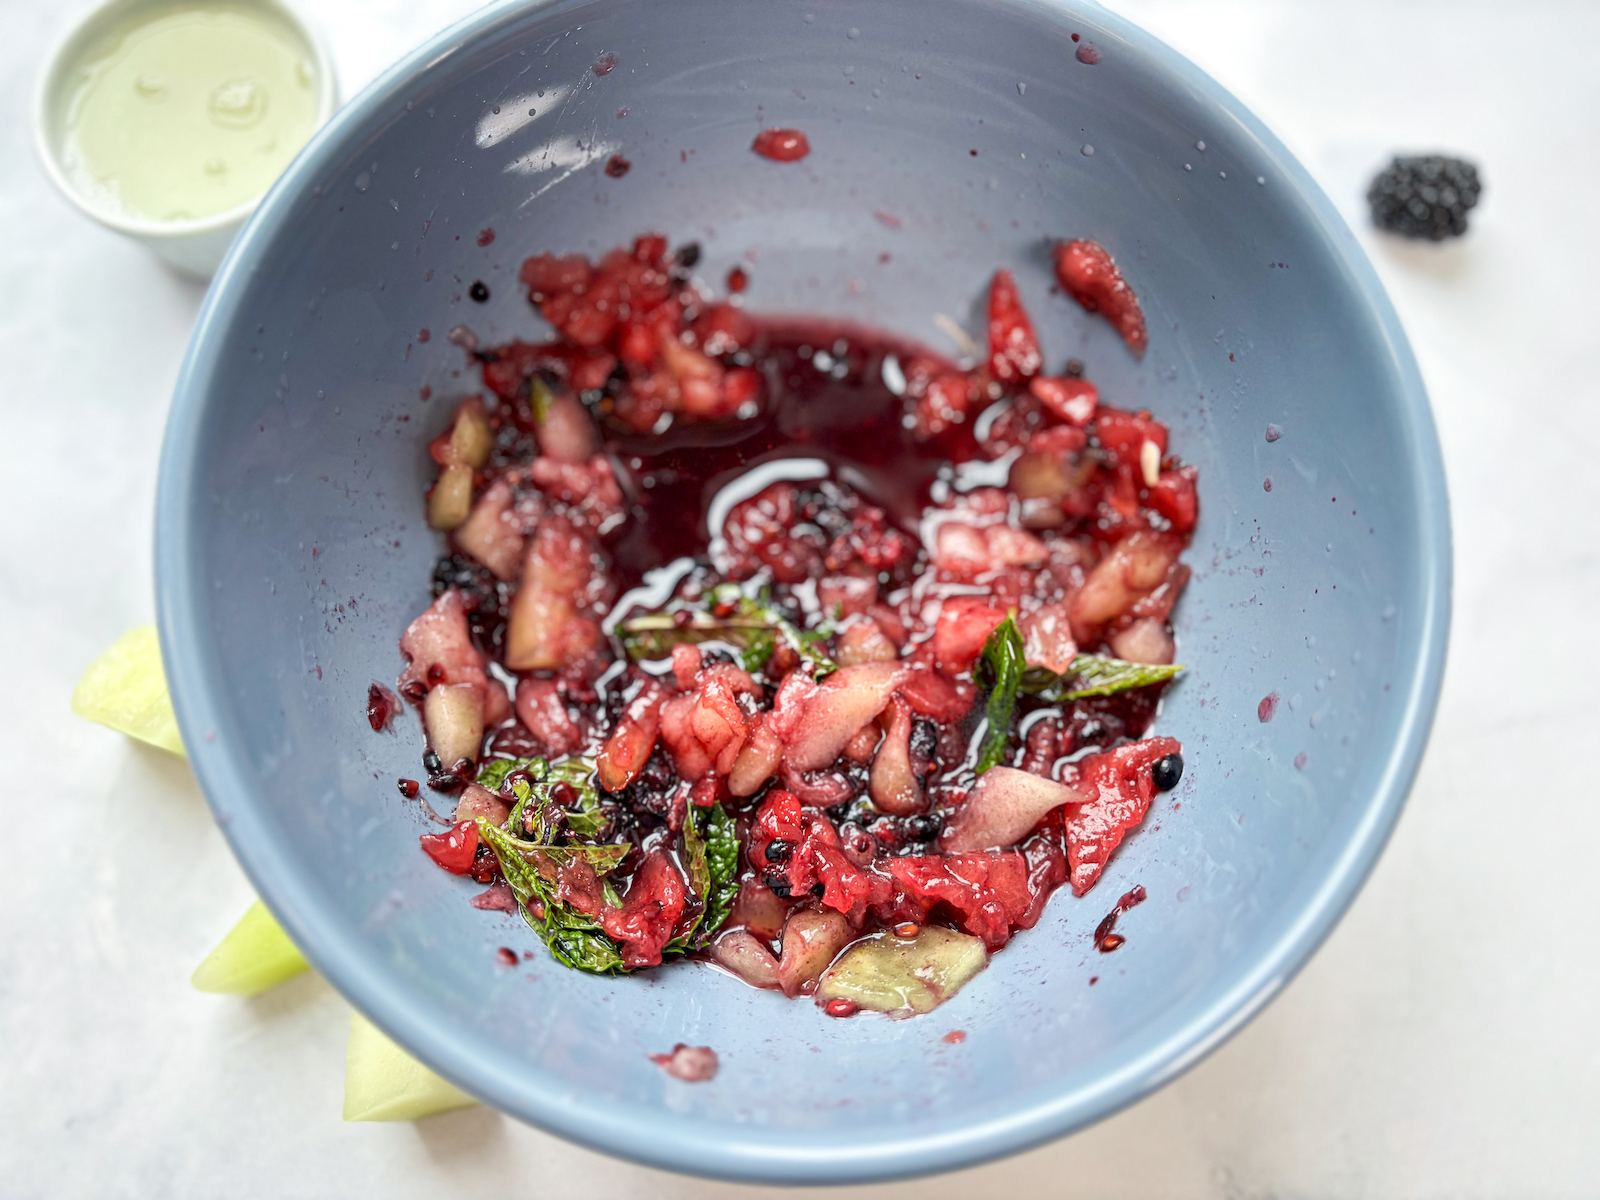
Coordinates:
1013 345
1090 276
455 849
1122 786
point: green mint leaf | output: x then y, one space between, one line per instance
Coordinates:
529 867
694 856
722 859
653 635
533 815
586 819
712 862
492 774
1095 675
752 625
587 823
576 941
519 873
999 669
604 859
573 939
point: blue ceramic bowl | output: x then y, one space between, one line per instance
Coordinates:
291 548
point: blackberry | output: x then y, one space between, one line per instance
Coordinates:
1427 196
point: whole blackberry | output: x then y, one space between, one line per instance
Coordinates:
1427 196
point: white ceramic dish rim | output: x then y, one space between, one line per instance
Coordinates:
91 25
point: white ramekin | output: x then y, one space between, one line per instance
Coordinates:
195 246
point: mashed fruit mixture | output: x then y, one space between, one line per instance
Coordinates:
789 645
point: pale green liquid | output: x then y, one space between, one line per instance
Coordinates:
190 111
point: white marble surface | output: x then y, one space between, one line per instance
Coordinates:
1442 1044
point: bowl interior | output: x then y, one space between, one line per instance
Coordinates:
949 137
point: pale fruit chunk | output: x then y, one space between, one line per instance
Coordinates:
471 439
126 689
450 502
811 938
453 714
747 957
478 801
566 431
384 1083
256 955
758 909
894 784
905 976
492 534
842 704
757 761
1003 807
1145 641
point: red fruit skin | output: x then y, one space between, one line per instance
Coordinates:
939 699
1092 278
634 737
964 625
1013 345
1125 433
1175 497
1122 788
650 249
649 912
946 403
816 857
989 889
781 145
455 849
1066 399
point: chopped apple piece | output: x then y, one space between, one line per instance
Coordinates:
905 976
478 801
747 957
811 939
450 502
1004 805
842 704
453 714
470 439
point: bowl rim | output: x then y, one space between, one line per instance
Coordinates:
752 1153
